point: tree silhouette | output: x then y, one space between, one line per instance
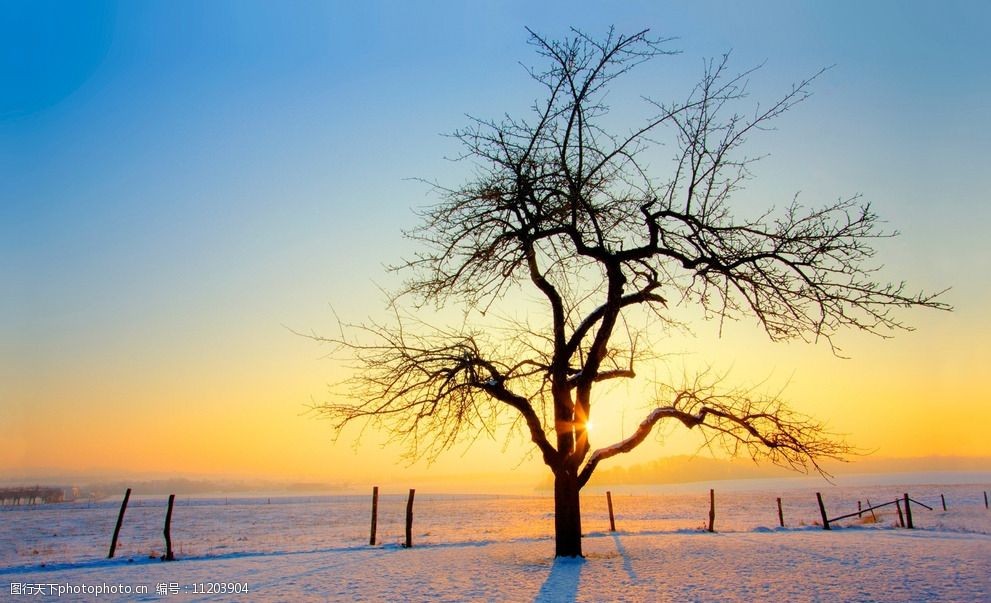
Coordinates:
564 209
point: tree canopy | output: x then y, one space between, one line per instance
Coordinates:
563 207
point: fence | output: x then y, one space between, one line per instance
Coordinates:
904 521
443 521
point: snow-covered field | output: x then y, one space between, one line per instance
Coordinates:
491 548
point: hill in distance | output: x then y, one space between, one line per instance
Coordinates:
684 469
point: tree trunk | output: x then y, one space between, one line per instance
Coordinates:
567 514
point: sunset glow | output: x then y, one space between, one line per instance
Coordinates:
184 192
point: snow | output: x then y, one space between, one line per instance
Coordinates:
480 548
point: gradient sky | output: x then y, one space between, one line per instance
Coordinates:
182 181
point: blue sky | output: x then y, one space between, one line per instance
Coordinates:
179 181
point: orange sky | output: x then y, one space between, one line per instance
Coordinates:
232 418
180 189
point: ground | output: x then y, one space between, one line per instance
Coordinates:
802 564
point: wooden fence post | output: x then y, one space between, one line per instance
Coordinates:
908 513
712 509
409 518
901 519
943 500
612 519
870 507
120 521
375 514
781 515
168 530
822 511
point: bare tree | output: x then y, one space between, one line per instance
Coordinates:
563 208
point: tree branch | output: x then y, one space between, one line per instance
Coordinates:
561 203
760 427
